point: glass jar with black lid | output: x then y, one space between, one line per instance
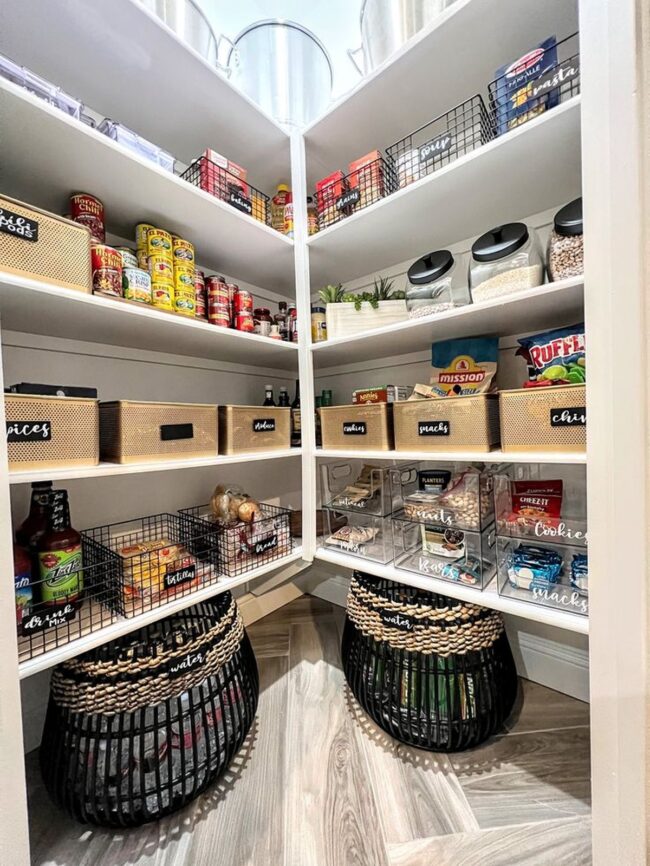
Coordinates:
565 252
504 260
436 282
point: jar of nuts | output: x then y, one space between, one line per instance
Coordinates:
565 253
504 260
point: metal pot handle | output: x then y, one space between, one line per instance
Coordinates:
223 67
352 54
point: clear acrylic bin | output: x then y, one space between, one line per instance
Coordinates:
40 87
359 487
443 551
125 136
367 536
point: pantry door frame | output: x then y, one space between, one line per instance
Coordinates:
615 49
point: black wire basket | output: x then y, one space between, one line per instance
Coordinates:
439 142
355 191
539 81
224 185
431 671
238 547
139 727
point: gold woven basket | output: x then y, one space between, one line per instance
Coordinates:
447 423
552 419
135 432
244 429
43 246
48 432
358 427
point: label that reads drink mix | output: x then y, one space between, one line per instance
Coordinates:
50 617
61 574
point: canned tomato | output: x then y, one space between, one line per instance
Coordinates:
184 303
242 303
162 295
184 278
129 258
161 269
159 243
136 285
141 232
219 316
88 211
183 251
244 321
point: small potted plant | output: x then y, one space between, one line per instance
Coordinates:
349 313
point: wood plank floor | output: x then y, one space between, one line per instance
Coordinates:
318 784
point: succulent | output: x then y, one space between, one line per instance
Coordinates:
383 289
331 294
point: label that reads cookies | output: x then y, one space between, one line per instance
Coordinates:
570 416
354 428
263 425
434 428
29 431
179 577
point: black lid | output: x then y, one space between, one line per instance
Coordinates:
568 220
499 242
430 267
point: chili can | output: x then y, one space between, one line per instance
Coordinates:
183 251
107 269
136 285
88 211
244 321
159 243
242 302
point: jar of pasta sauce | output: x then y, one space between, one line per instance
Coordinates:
262 320
244 321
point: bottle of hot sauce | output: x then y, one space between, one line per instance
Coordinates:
59 555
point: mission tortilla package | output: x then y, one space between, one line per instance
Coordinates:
555 357
463 367
515 99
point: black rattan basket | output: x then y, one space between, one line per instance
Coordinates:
431 671
137 728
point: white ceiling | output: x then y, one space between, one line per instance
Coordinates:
335 22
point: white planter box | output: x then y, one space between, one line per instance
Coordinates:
344 321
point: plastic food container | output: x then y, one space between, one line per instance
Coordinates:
436 283
40 87
125 136
565 252
504 260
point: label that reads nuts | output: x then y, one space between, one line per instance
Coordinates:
434 428
263 425
29 431
354 428
435 147
240 202
572 416
349 198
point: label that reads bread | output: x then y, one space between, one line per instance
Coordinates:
265 544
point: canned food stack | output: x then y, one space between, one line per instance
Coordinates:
184 276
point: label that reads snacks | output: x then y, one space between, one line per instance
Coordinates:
435 147
19 226
393 619
173 579
572 416
29 431
265 544
61 573
187 663
50 617
240 202
354 428
264 425
352 196
434 428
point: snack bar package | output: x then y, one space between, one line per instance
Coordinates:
515 102
555 357
537 499
462 367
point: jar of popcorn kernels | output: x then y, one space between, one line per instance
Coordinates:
565 252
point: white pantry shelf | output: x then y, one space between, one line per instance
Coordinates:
562 457
547 306
47 155
123 625
124 63
528 170
443 65
37 307
489 597
111 469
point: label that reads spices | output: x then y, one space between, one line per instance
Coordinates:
187 663
572 416
435 147
239 201
264 425
349 198
49 617
354 428
180 576
393 619
557 77
19 226
434 428
29 431
265 544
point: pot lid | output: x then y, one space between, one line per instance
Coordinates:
568 220
430 267
499 242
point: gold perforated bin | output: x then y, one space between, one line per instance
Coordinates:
359 427
244 429
139 432
51 432
547 419
447 423
40 245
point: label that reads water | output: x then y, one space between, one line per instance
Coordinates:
434 428
29 431
354 428
61 574
187 663
571 416
393 619
50 617
180 576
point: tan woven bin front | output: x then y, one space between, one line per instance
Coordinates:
526 419
246 429
359 427
138 432
447 423
57 252
51 432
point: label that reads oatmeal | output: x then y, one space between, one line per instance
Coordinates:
61 574
354 428
434 428
570 416
49 617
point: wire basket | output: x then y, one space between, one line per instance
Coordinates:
224 185
431 671
441 141
139 727
238 547
149 561
355 191
540 80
